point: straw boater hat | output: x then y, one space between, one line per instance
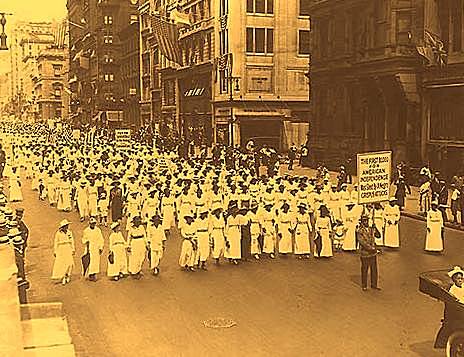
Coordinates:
392 199
63 223
114 225
456 270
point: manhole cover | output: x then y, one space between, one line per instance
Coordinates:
219 323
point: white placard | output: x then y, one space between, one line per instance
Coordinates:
122 138
374 176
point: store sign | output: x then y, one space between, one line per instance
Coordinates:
260 80
122 137
374 176
194 92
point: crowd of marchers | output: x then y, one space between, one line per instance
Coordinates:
223 208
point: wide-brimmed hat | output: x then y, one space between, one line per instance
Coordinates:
64 223
115 224
253 205
302 205
392 199
456 270
14 232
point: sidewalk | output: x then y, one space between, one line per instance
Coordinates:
411 208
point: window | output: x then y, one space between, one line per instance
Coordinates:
223 7
108 20
304 7
108 39
155 56
458 30
260 6
134 19
259 40
404 23
108 59
57 69
109 77
223 42
303 42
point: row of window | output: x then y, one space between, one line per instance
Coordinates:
261 40
267 7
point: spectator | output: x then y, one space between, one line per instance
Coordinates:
455 198
292 156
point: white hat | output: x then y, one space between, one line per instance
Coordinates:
63 223
115 224
92 220
393 198
456 270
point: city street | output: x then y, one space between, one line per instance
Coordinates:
284 307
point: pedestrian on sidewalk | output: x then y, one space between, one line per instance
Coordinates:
401 190
435 227
455 198
292 156
63 251
443 200
368 252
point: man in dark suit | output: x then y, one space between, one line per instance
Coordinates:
22 228
368 252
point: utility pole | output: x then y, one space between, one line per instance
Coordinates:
233 85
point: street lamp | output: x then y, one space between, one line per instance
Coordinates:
3 36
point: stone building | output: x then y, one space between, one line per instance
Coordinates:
372 86
241 74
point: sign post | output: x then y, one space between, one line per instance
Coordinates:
374 176
122 139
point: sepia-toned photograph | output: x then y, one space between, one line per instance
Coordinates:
189 178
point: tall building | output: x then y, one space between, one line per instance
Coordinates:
130 74
95 58
5 92
50 80
240 73
380 73
27 39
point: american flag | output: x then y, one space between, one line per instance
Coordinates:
225 62
167 35
60 35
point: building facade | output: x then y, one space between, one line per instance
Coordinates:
130 74
51 99
231 85
371 88
26 41
95 59
443 95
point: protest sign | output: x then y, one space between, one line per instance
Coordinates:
122 138
374 176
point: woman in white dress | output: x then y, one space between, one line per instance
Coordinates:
63 250
233 234
392 216
137 242
434 237
303 229
286 222
167 210
117 246
64 195
16 194
323 229
217 225
350 219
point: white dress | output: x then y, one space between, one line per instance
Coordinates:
392 235
118 246
216 230
433 240
63 249
286 222
15 188
323 227
303 227
155 236
94 238
138 244
234 236
351 219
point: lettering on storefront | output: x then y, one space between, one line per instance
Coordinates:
374 176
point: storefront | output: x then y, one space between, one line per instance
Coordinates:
195 107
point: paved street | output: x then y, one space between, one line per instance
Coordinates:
284 307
